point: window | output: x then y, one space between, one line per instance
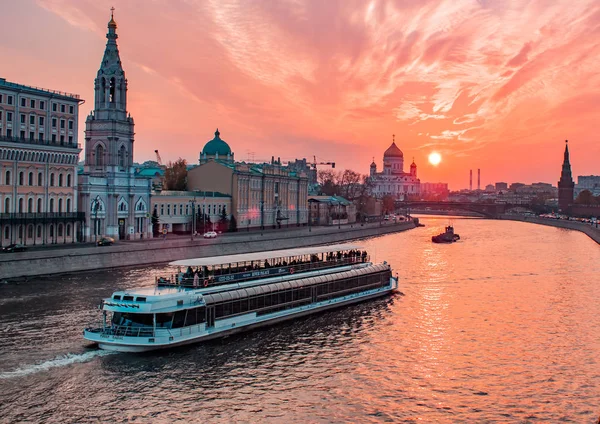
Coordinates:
70 125
51 230
30 231
99 155
31 135
0 98
40 136
51 205
54 107
9 100
30 179
42 105
62 124
9 133
22 135
41 121
23 102
53 122
6 232
39 231
70 139
31 119
71 109
122 155
60 202
111 95
51 181
60 180
62 108
7 205
68 180
31 103
8 116
39 178
54 138
21 205
30 206
39 206
168 209
62 139
68 230
162 210
22 118
68 206
0 115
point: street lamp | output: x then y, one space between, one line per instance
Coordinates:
95 207
193 205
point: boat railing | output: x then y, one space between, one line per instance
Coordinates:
278 269
123 330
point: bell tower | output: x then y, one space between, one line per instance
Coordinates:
109 128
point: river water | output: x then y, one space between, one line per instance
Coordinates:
502 326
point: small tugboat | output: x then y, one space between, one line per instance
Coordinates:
448 237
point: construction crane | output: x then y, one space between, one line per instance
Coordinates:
158 159
314 164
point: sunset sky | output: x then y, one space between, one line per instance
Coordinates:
497 85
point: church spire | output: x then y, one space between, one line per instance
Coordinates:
565 184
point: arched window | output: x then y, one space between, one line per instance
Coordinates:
51 231
40 178
30 205
52 179
51 205
7 205
30 179
39 208
103 94
21 182
68 205
68 180
6 232
59 205
122 157
7 178
99 155
20 232
30 231
60 230
111 93
68 230
60 180
21 205
39 231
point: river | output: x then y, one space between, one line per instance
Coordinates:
502 326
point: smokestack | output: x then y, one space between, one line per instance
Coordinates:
471 179
478 179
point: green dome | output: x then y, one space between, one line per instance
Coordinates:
216 145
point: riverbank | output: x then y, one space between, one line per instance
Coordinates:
87 258
589 230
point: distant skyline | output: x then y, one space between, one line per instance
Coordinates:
491 85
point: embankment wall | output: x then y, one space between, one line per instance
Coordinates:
591 231
60 261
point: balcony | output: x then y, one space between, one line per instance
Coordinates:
39 142
26 217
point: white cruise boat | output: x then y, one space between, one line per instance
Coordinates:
222 295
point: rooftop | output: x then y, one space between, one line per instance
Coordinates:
44 91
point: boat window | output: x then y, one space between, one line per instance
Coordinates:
164 320
128 298
180 303
132 319
140 299
116 297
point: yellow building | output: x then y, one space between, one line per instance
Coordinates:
262 194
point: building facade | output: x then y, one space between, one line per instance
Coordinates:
39 151
588 182
566 186
179 211
262 195
116 202
393 181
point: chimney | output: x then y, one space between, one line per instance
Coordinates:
478 179
470 179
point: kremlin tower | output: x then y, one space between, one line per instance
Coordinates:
565 184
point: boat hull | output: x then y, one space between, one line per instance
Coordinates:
123 346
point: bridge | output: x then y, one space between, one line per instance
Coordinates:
489 210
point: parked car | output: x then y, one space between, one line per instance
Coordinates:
210 234
11 248
106 241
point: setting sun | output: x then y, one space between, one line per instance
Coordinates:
435 158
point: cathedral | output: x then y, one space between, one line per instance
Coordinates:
116 203
393 180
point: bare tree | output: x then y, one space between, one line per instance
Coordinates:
176 175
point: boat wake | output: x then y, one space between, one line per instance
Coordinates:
59 361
